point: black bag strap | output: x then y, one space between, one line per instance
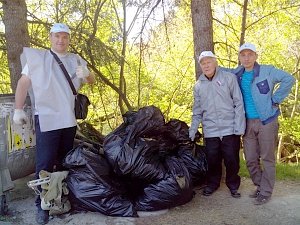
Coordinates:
65 72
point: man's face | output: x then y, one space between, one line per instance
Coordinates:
208 66
247 59
60 41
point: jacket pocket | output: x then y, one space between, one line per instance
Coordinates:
263 87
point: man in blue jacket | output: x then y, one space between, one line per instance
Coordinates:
261 102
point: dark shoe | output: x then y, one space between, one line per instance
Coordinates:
254 194
42 216
235 194
260 199
208 191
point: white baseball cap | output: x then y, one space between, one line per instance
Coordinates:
247 46
206 54
60 27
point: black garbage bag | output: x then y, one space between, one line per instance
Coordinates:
129 149
92 185
141 160
174 190
194 158
146 119
191 154
144 154
179 130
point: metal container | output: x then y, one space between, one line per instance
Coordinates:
17 147
17 143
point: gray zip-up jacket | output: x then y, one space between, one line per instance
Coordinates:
218 105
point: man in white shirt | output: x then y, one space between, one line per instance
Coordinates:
52 100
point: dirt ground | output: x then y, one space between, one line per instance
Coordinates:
218 209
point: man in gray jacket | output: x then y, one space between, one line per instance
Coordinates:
218 106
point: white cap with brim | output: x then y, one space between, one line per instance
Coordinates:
206 54
248 46
60 27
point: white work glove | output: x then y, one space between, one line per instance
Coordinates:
192 134
82 72
20 117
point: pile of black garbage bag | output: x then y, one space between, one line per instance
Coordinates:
147 165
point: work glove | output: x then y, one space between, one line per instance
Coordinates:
20 117
82 72
192 134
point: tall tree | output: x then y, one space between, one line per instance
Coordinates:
202 29
16 34
244 19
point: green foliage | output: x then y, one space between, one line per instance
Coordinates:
268 26
95 35
4 75
173 71
243 169
289 130
159 67
291 126
283 171
286 171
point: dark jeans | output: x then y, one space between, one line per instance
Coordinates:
228 149
51 148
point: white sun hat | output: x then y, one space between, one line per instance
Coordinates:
248 46
60 27
206 54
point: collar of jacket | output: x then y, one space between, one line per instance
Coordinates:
204 77
241 70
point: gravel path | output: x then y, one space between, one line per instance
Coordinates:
218 209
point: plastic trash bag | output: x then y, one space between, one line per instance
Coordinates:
93 187
153 165
193 155
174 190
128 150
194 159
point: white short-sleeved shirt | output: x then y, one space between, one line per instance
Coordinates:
51 94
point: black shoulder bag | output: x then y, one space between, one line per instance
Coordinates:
81 101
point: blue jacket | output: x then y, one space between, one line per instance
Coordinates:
266 97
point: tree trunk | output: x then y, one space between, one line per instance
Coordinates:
202 29
122 81
243 30
16 34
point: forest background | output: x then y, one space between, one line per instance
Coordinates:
145 52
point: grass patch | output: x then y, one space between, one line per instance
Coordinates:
284 171
243 169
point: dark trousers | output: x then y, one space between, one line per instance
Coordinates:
51 148
218 149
